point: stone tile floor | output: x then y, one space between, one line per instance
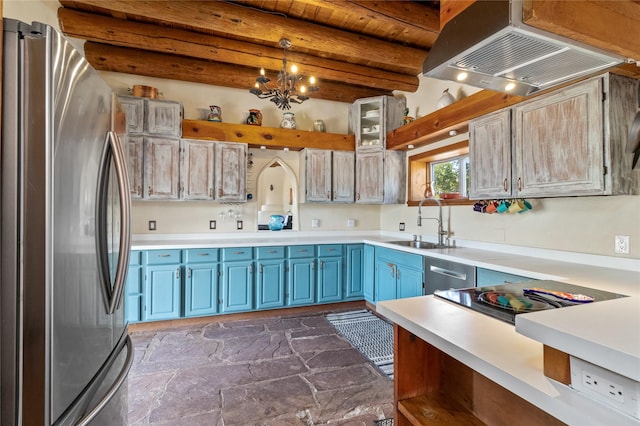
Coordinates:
280 370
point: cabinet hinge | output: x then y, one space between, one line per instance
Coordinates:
605 170
604 96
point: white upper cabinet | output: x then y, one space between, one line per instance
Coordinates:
163 118
490 155
327 176
197 171
135 155
566 143
161 168
371 118
380 177
343 176
230 172
134 110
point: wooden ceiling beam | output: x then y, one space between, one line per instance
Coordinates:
107 30
132 61
609 25
219 17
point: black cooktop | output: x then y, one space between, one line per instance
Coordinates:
505 301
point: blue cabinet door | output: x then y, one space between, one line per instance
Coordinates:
201 290
162 292
237 287
409 282
270 284
385 276
354 288
329 279
133 302
368 275
300 281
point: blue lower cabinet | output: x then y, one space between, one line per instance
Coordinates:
270 284
409 282
162 292
237 286
329 282
134 292
201 290
368 276
300 281
385 278
354 285
486 277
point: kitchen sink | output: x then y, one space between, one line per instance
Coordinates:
417 244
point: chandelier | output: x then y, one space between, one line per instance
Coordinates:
286 92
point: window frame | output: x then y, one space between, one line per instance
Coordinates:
419 173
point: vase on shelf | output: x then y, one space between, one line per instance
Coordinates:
288 121
445 100
318 126
215 113
255 117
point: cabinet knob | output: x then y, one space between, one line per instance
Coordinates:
504 185
357 196
519 184
177 273
320 264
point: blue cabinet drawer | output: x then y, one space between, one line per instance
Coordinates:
400 257
201 255
134 258
241 253
486 277
296 252
162 257
329 250
270 252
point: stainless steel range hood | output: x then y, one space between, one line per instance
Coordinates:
489 43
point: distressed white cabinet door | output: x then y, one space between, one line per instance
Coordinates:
490 155
135 155
161 168
317 175
230 171
163 118
343 176
394 177
370 177
134 110
196 171
371 118
559 143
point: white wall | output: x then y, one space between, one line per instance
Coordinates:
580 224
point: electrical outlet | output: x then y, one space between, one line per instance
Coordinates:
605 386
351 223
315 223
622 244
212 224
152 225
239 224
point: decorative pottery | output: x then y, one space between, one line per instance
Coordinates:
287 121
277 221
215 114
318 126
255 117
446 99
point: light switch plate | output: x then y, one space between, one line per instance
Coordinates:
315 223
401 227
212 224
239 224
152 225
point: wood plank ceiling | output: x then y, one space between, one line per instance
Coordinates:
356 48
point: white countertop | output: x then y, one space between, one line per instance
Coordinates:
494 349
603 333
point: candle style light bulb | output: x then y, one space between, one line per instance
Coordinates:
303 89
312 80
261 71
257 86
294 68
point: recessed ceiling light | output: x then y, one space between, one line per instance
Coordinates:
509 87
462 76
410 146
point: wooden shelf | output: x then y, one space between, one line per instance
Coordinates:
270 137
422 410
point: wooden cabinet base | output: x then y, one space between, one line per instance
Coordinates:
431 387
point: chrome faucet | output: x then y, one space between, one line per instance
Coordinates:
441 231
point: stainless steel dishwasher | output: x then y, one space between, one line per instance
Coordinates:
443 274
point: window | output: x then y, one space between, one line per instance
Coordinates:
443 172
450 176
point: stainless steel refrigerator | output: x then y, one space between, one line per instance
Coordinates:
64 347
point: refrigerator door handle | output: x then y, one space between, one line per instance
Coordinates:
84 421
120 162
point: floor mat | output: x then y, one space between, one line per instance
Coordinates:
383 422
368 333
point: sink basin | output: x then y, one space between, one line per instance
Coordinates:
417 244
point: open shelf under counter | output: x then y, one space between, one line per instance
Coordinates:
270 137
